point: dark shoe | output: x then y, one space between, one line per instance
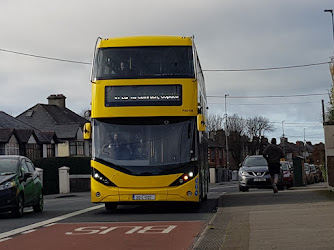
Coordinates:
275 189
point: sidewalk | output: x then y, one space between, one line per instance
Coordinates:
300 218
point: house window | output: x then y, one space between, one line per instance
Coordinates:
76 148
12 149
33 151
51 150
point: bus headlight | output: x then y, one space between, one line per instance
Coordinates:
183 179
98 176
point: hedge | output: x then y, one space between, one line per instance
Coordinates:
50 166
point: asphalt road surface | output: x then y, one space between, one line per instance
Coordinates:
73 221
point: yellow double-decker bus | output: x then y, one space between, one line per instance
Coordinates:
149 140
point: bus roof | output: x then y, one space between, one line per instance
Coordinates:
139 41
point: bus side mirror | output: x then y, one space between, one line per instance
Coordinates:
87 131
200 122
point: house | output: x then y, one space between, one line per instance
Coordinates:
67 125
17 137
216 151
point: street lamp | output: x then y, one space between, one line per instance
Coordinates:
304 145
331 11
283 138
226 138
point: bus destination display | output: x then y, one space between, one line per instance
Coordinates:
143 95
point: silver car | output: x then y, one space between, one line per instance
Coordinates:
254 173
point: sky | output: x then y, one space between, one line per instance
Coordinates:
230 36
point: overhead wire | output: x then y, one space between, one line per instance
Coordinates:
266 96
204 70
260 104
43 57
270 68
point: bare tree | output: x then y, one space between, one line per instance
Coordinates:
256 126
237 140
236 124
215 122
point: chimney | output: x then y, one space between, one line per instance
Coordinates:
58 100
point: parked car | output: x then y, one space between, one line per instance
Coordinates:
254 173
20 185
287 174
309 175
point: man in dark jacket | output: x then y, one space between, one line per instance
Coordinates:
273 154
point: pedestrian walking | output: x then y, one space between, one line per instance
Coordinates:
273 154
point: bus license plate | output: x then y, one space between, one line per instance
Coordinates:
143 197
260 179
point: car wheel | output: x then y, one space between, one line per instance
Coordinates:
110 207
18 210
243 189
40 205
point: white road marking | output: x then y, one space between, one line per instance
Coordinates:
2 240
46 222
49 225
29 231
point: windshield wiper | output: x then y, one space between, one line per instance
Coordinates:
7 173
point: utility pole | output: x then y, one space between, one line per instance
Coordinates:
283 138
304 146
331 11
226 141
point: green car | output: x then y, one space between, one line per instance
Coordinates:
20 185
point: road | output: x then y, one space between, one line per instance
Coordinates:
69 220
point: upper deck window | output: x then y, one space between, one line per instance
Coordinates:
144 62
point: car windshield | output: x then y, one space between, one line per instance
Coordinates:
285 166
255 161
8 166
144 62
144 142
306 167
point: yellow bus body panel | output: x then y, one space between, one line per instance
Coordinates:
139 41
128 185
189 105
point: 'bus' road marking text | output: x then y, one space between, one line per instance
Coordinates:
157 229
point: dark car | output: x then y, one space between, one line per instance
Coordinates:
20 185
254 173
287 174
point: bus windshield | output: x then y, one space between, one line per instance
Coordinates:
138 142
144 62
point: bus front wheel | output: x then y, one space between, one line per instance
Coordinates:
111 206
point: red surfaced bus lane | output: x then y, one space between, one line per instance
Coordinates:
86 236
